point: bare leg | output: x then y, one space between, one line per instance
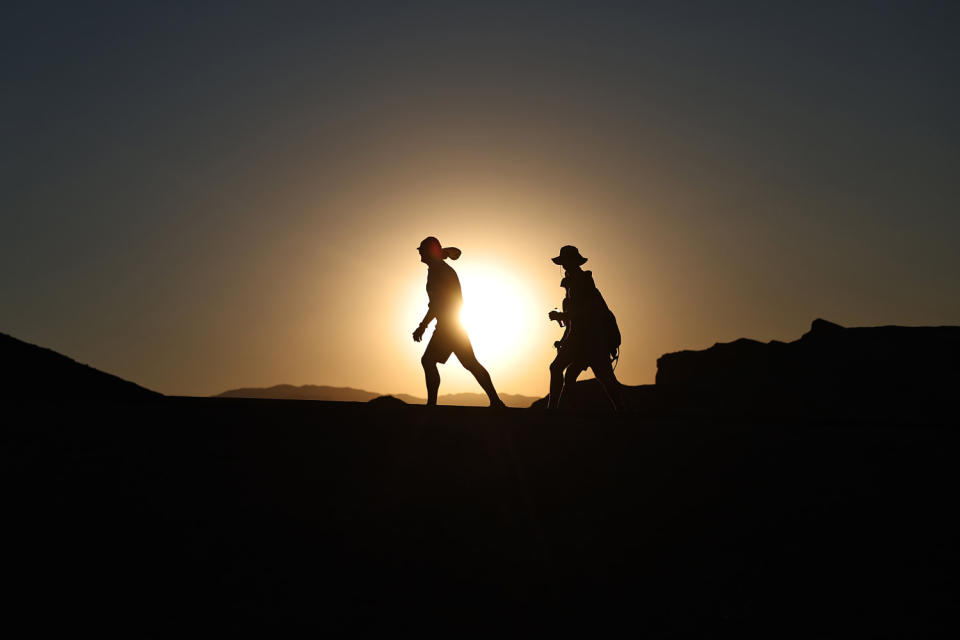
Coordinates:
433 380
556 382
604 373
471 364
570 382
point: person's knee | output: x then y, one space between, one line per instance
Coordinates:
469 360
428 363
473 366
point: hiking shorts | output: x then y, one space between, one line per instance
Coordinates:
447 339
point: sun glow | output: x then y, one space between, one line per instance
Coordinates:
497 315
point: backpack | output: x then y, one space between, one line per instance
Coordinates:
605 319
611 331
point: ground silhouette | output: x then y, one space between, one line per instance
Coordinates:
245 515
254 515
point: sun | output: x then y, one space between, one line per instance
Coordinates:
497 315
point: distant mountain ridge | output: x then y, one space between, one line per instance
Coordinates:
349 394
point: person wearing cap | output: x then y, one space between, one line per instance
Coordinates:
449 336
586 340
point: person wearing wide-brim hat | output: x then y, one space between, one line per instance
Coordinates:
590 338
449 336
569 255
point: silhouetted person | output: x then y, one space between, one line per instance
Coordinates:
449 336
590 338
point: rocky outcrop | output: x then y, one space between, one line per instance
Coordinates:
830 370
387 402
826 356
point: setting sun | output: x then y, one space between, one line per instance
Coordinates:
497 315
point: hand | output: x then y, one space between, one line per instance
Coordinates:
418 334
554 315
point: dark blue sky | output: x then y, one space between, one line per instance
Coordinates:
166 167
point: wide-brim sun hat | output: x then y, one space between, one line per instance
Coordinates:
569 254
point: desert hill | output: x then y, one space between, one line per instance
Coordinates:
32 373
348 394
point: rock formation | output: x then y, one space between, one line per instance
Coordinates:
826 356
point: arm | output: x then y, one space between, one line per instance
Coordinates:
563 319
427 319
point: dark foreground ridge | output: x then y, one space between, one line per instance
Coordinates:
35 374
130 511
252 515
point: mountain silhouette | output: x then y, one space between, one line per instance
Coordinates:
349 394
32 373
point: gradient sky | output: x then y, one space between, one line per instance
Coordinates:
199 196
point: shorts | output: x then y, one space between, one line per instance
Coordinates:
447 339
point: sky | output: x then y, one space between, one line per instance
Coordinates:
200 196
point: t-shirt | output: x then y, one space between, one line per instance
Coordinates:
443 288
